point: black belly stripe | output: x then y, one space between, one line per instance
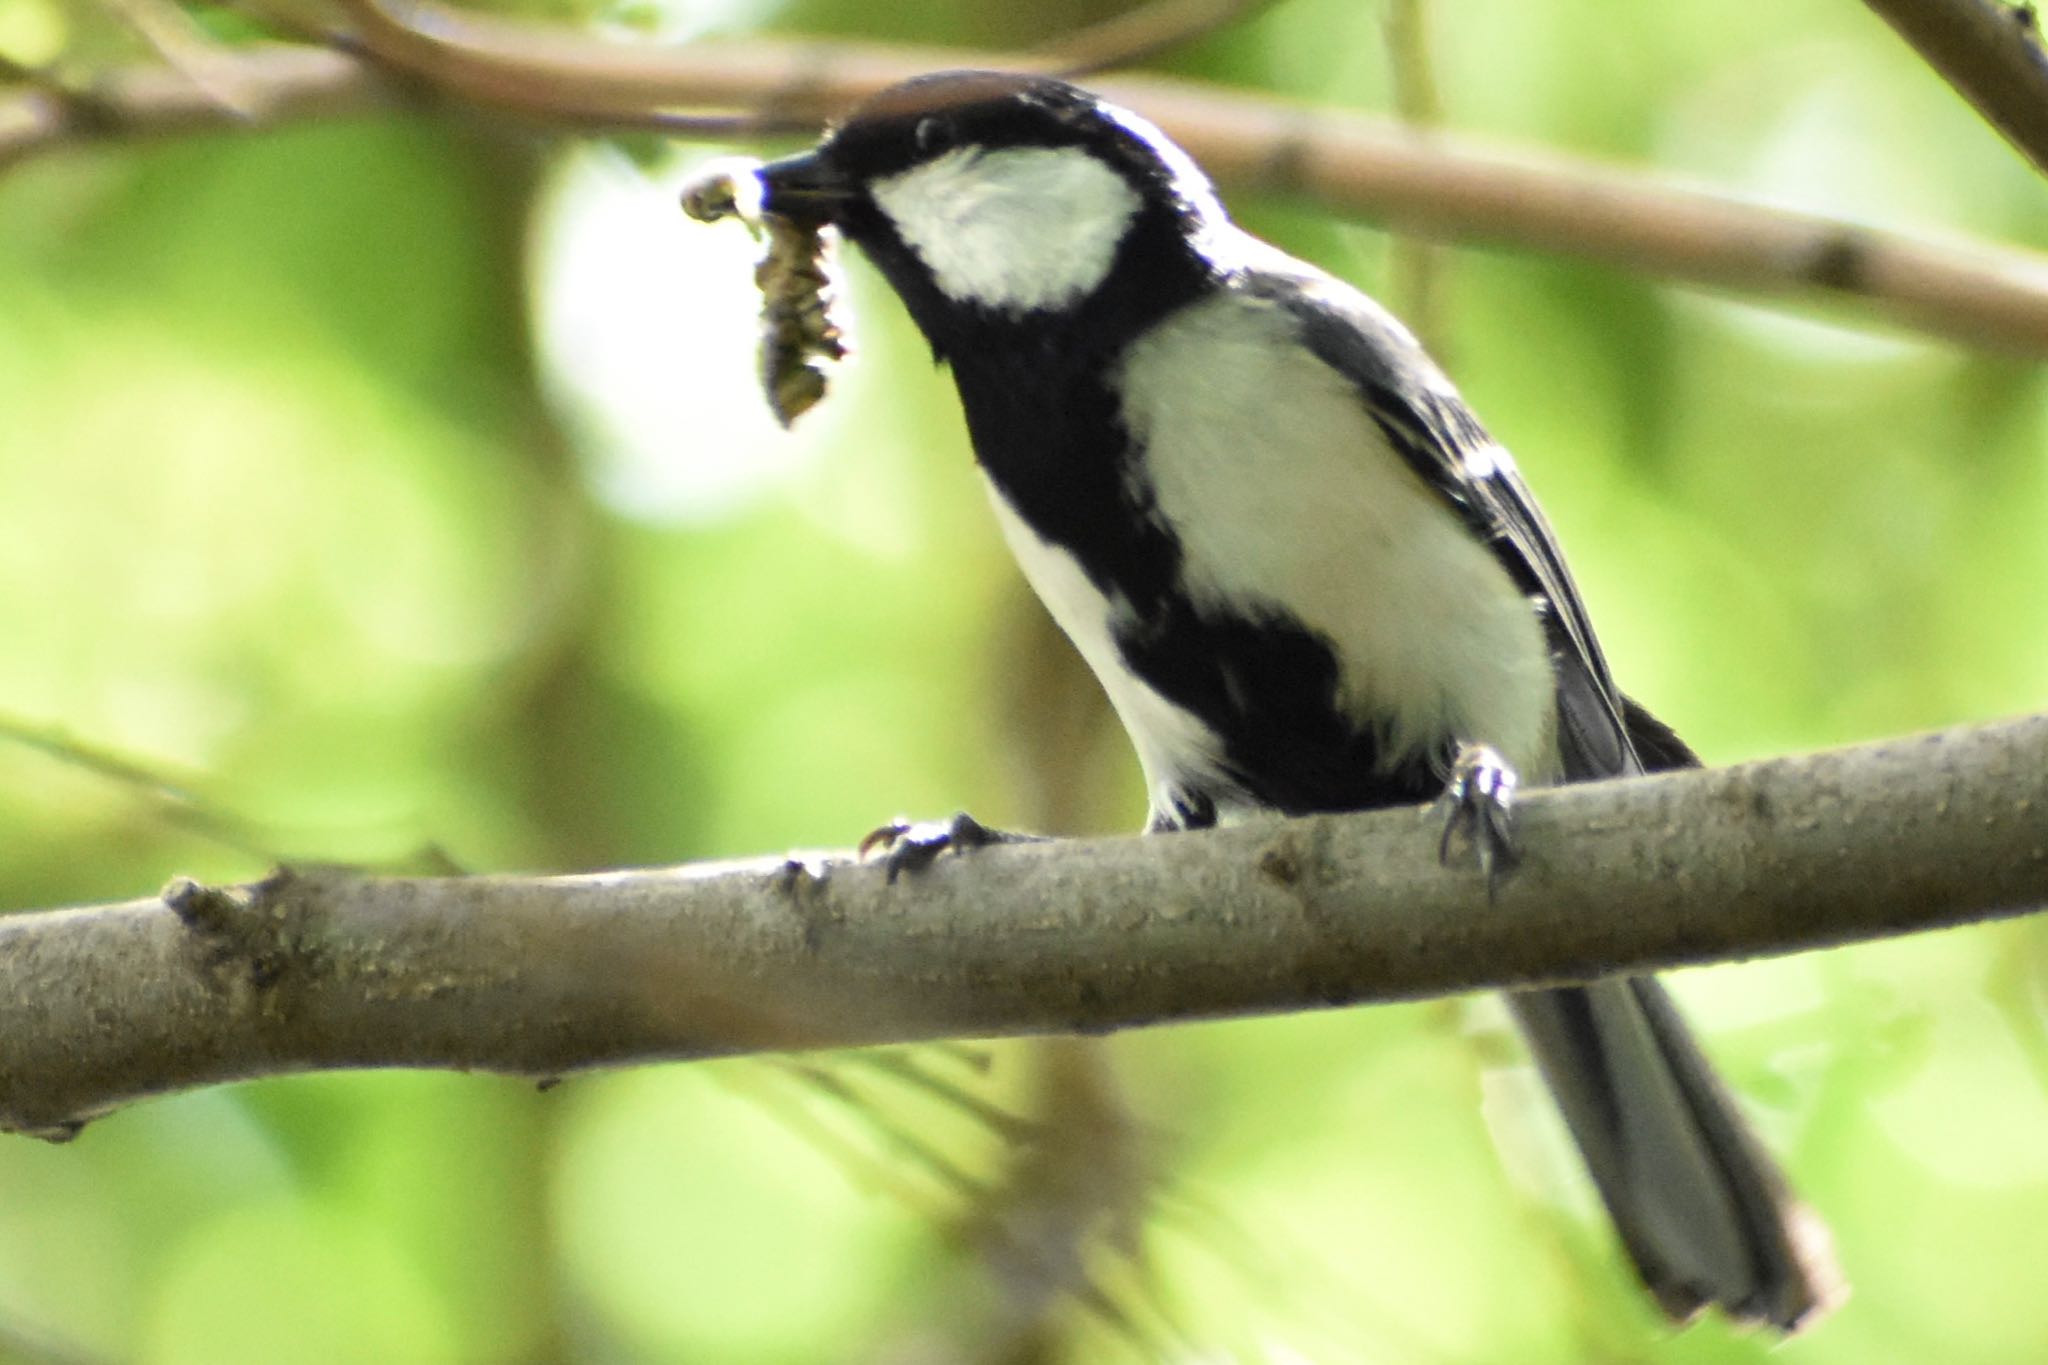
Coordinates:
1049 434
1268 690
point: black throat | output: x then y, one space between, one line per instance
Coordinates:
1038 392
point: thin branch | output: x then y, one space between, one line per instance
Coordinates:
1349 163
1991 52
541 976
1137 35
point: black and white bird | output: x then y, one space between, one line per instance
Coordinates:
1305 575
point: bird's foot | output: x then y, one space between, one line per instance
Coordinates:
1478 802
912 847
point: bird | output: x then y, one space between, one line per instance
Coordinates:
1305 575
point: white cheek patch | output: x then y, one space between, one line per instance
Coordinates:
1017 230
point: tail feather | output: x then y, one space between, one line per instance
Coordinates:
1699 1204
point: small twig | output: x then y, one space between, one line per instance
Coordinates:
1992 53
309 21
1136 35
900 1138
563 75
287 81
902 1065
786 1090
174 36
176 799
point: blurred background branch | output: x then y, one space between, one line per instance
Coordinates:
324 969
1435 186
1136 35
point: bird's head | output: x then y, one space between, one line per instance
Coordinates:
992 199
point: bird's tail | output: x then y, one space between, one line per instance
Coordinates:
1700 1206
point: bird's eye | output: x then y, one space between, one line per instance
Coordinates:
932 136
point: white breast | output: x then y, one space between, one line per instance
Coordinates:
1172 743
1284 491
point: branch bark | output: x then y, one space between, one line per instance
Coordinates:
1429 185
1991 53
541 976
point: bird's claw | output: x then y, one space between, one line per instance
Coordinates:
913 847
1478 802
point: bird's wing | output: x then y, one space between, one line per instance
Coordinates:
1426 421
1701 1208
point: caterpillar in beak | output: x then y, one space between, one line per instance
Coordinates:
798 327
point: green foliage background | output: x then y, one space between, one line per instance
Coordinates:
384 487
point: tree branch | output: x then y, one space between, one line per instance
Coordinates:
1139 34
1433 186
1991 53
539 976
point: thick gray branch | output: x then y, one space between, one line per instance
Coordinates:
539 976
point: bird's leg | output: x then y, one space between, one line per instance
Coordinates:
1478 801
912 847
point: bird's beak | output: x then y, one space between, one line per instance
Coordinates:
804 187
